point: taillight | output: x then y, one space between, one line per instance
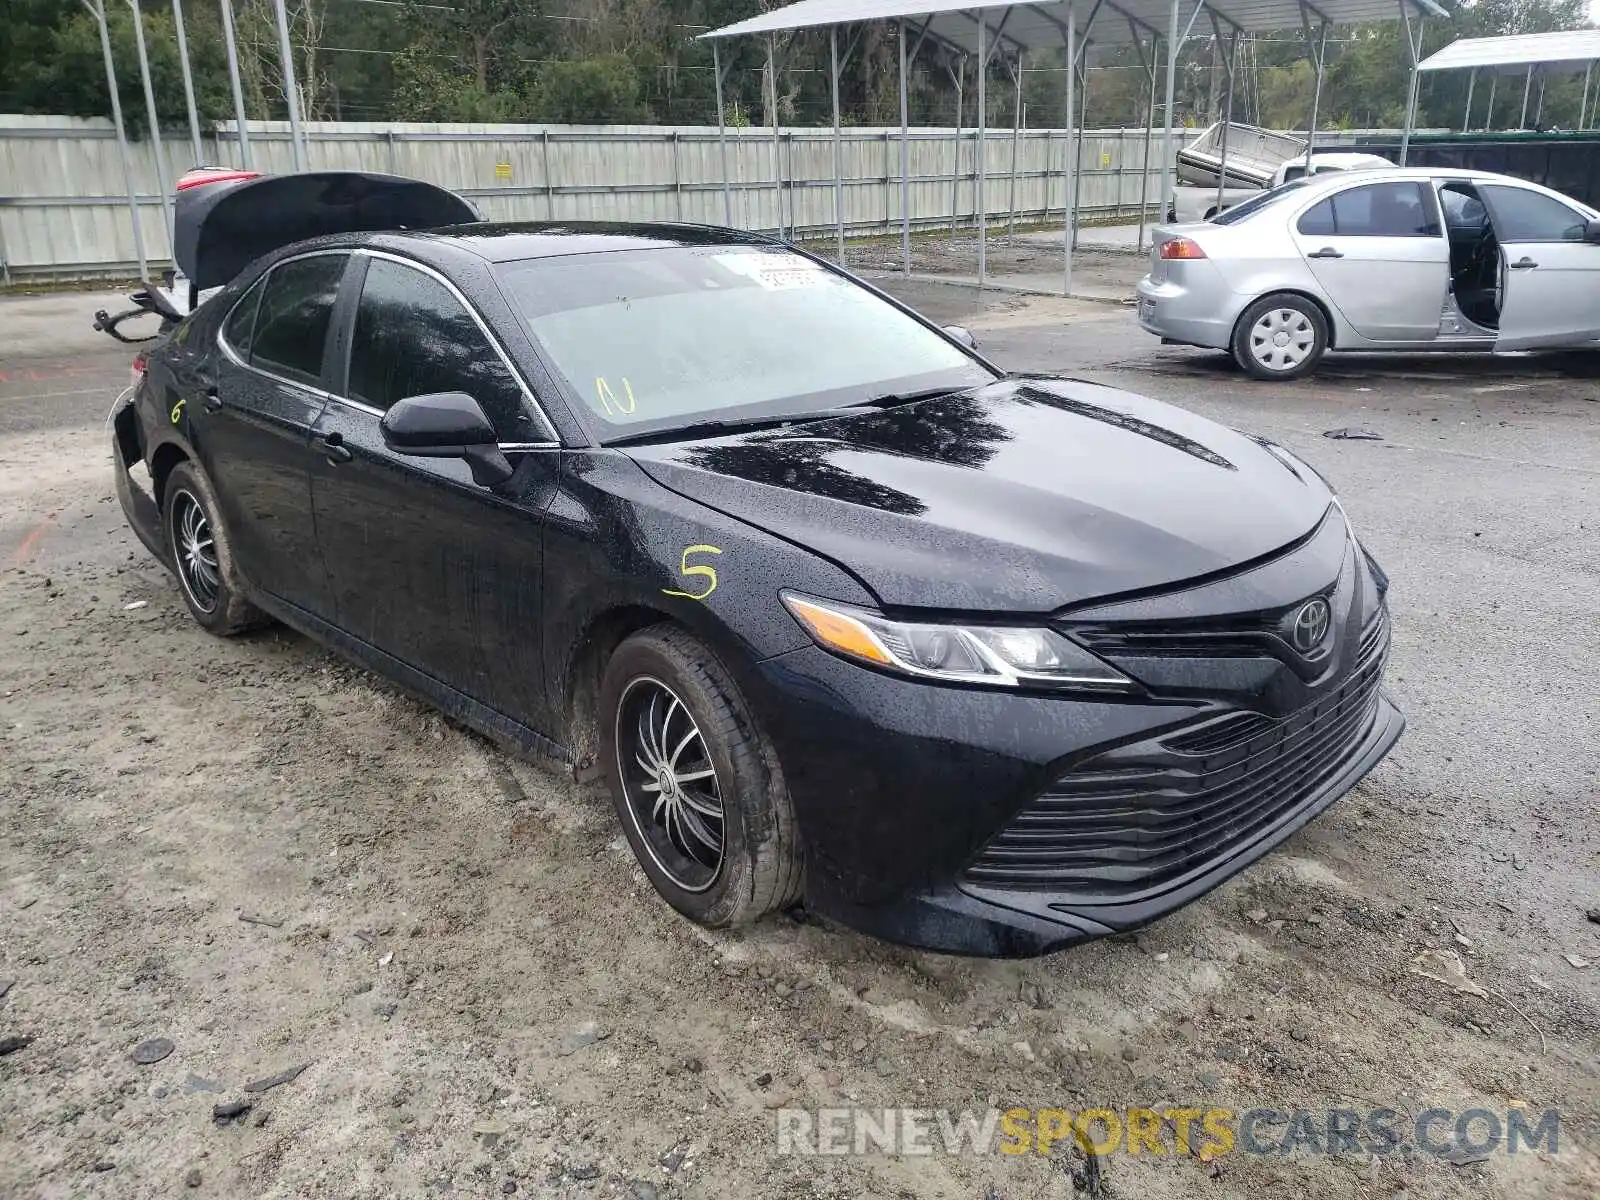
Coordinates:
1181 248
201 176
140 362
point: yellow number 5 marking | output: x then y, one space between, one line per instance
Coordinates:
610 402
696 571
177 411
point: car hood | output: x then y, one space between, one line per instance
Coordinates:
1023 496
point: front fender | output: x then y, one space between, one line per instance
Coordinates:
617 540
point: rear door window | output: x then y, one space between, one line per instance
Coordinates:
1521 215
240 328
413 337
1373 210
291 326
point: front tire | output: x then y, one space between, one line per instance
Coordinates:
202 555
696 785
1280 337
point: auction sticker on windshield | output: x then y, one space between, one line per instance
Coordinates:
775 272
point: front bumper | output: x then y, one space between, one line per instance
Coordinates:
899 787
1002 823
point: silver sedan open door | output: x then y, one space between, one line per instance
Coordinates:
1550 269
1379 251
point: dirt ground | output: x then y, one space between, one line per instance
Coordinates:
277 861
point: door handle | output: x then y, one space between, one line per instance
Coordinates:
1326 252
1524 264
213 402
335 451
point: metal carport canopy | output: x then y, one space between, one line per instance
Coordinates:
1031 25
1517 52
987 27
1564 51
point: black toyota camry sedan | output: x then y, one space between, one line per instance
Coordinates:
838 611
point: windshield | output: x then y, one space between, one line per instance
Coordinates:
1242 212
662 338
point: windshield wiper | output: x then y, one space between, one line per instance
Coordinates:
899 399
702 429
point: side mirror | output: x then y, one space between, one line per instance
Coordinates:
447 425
962 335
1591 233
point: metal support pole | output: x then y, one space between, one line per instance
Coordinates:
673 139
1175 39
163 177
1083 115
544 169
722 134
1488 117
188 83
982 193
838 147
1016 134
1069 230
1317 48
1466 117
1527 87
1538 116
231 43
958 75
905 160
1583 104
1149 136
1229 57
97 10
1414 52
291 90
777 148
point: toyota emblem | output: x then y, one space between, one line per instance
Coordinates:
1310 625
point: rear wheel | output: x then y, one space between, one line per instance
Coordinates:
1280 337
695 783
202 555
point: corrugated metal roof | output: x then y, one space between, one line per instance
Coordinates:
1573 49
1030 25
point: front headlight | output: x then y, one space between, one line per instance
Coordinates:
991 654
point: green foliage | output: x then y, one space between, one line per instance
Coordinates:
425 90
63 69
601 61
590 91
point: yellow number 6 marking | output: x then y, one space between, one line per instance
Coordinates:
696 571
177 411
609 400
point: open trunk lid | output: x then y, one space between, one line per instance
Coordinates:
227 219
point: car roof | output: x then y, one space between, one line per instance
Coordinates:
513 241
1344 156
1379 174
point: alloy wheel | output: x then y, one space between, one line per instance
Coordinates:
1282 339
195 549
673 795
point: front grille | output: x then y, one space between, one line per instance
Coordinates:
1146 814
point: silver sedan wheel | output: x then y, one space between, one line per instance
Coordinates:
1282 339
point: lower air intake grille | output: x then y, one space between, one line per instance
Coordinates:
1146 814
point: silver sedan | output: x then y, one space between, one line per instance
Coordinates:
1398 259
